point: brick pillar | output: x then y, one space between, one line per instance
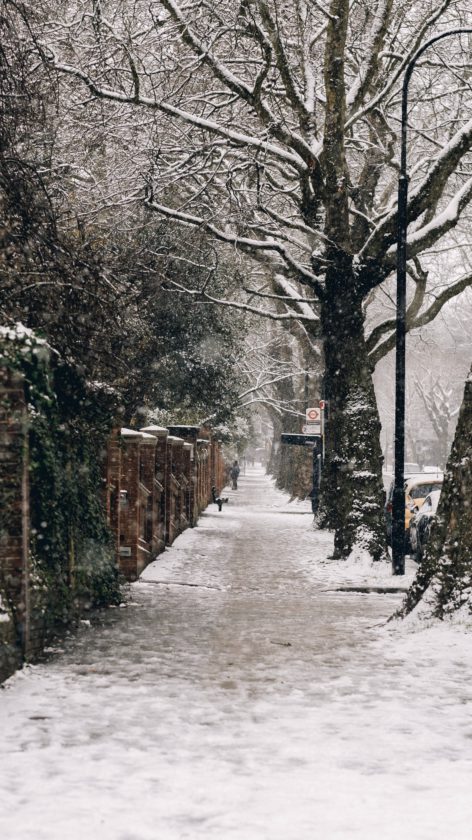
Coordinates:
147 502
216 465
174 487
198 476
213 465
221 468
204 464
160 483
190 435
188 475
177 468
192 489
14 518
172 490
205 477
113 487
129 503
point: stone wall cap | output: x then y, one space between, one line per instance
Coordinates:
175 440
157 431
188 446
203 440
131 434
149 440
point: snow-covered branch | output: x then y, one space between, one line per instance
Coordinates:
237 137
378 351
426 192
173 285
242 243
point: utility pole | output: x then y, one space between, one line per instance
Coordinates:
398 512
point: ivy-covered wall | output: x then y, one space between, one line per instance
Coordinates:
10 653
71 563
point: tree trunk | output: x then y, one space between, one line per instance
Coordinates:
287 463
352 491
286 393
444 580
352 495
273 465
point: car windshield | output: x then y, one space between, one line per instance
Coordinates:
419 491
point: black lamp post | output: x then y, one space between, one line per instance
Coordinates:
398 506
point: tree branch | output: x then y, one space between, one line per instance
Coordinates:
237 137
427 192
425 318
198 294
244 244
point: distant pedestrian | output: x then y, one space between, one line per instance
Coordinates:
234 473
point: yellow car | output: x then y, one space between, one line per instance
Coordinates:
417 487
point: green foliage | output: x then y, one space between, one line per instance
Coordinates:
71 546
100 292
177 353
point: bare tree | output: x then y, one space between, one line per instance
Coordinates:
437 400
274 128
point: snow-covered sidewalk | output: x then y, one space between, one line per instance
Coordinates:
239 696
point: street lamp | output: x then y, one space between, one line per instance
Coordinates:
398 502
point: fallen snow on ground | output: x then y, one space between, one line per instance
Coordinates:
238 695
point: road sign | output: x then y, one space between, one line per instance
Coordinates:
322 405
313 415
311 429
301 440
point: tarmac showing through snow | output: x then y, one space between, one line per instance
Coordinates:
239 696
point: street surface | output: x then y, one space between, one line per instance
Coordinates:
237 695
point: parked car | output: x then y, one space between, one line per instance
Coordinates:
421 522
417 487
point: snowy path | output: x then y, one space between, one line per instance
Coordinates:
252 704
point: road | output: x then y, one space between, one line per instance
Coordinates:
237 695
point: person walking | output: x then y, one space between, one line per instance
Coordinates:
234 473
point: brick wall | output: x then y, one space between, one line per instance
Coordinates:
165 478
160 482
156 483
147 500
129 503
15 623
113 485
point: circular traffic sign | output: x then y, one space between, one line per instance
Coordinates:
313 415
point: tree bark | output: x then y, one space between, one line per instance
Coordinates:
352 492
444 580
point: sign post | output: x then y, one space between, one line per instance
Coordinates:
301 440
324 412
